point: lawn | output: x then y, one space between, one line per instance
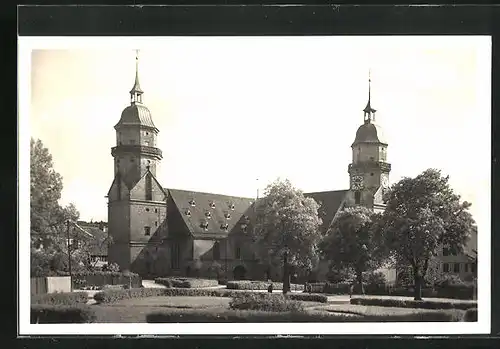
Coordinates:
134 310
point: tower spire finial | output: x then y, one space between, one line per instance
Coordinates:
136 91
369 111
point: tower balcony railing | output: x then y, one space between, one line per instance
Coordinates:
384 166
134 148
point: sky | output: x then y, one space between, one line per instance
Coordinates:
236 113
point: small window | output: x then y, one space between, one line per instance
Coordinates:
117 161
224 226
147 133
204 225
156 224
446 268
212 204
371 174
208 214
188 213
372 158
147 231
227 216
456 268
147 209
156 210
237 253
192 202
357 197
132 159
231 206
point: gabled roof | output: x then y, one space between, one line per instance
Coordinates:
330 202
214 210
98 245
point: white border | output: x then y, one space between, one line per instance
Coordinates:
27 44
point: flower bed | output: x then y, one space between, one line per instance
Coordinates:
260 285
63 298
186 282
56 314
409 303
111 296
197 316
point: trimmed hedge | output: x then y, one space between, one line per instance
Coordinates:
260 285
101 278
57 314
328 287
265 302
111 296
63 298
198 315
186 282
409 303
470 315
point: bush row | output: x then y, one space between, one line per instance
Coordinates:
101 278
198 315
111 296
186 282
260 285
63 298
327 287
409 303
265 302
53 314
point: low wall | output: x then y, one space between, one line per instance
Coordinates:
50 284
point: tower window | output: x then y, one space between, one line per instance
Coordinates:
372 158
357 197
237 253
156 210
147 231
371 174
132 159
147 209
156 224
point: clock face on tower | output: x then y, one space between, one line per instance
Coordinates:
357 182
384 181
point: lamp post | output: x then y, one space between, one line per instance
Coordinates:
69 256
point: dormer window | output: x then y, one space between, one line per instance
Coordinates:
192 202
188 213
231 206
227 215
243 227
208 215
224 226
212 204
204 225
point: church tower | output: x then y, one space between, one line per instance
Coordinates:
369 170
136 201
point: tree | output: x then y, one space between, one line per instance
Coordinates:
422 215
287 228
351 242
48 218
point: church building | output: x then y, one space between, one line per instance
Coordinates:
163 231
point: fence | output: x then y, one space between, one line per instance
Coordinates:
50 284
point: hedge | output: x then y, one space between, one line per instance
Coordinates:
265 302
327 287
199 315
186 282
57 314
260 285
63 298
111 296
470 315
101 278
403 303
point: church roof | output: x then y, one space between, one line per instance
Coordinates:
329 202
369 133
206 214
136 114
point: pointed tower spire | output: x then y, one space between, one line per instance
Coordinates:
369 111
136 91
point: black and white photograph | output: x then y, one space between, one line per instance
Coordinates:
276 184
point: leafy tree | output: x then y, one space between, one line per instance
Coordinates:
422 215
287 228
351 242
48 218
